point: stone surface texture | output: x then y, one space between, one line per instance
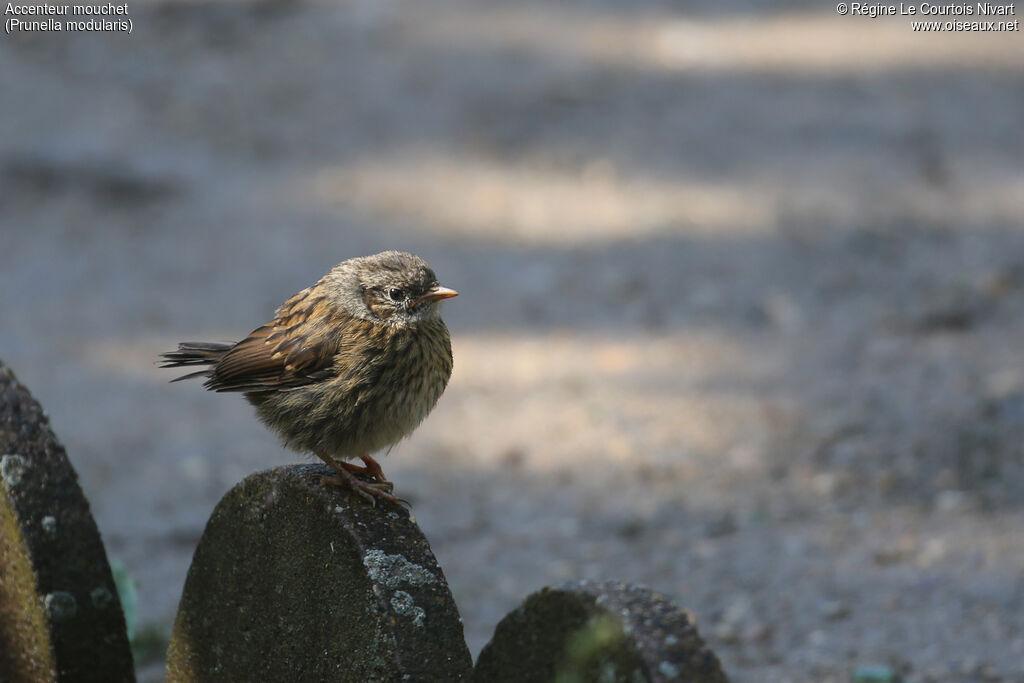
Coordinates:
60 617
597 631
297 580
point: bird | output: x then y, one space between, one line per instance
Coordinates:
346 368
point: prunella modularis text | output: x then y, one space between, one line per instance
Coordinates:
346 368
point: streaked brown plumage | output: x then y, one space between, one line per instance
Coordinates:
347 367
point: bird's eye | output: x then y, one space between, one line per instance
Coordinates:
396 294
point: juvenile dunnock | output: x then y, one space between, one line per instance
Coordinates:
347 367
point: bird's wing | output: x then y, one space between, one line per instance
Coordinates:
295 349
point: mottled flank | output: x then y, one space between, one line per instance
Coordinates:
388 388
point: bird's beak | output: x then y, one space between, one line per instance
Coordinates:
434 294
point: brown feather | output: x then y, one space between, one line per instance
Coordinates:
295 349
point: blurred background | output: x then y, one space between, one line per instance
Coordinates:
740 313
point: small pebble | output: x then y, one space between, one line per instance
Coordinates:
722 525
727 633
834 610
757 632
989 673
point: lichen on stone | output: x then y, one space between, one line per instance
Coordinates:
394 570
12 468
669 670
101 597
404 605
61 606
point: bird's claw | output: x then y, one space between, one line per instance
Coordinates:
368 491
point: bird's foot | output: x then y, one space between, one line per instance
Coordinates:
372 469
369 491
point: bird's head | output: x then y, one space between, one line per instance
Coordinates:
393 287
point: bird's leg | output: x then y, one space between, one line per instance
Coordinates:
373 469
347 477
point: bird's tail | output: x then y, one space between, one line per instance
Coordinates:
194 353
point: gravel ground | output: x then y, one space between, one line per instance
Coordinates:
740 314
